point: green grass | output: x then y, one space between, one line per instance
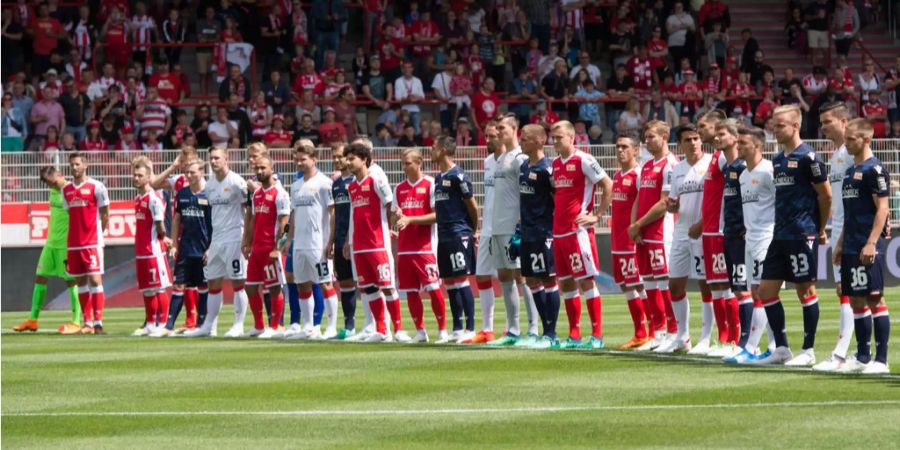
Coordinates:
629 400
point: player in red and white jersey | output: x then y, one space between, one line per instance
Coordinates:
168 179
575 177
626 184
87 201
415 217
652 230
150 246
271 211
370 198
154 113
724 305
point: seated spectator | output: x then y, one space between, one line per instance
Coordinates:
51 140
485 104
584 63
309 106
308 80
307 130
840 84
758 68
260 114
77 108
239 116
185 81
877 114
619 85
892 87
277 136
235 84
384 136
658 108
869 85
547 63
431 132
595 134
460 87
339 84
330 131
179 131
554 87
589 109
223 130
816 82
524 88
167 84
464 136
544 117
741 91
46 113
111 132
151 142
200 125
631 121
409 138
68 143
895 130
345 112
276 92
93 140
765 108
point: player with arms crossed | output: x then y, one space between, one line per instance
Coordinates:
834 118
686 260
52 262
802 207
457 215
626 183
150 247
575 177
191 229
312 215
87 201
861 247
271 211
536 210
652 231
227 194
757 184
413 213
339 227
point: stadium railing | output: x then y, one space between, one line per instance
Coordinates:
21 181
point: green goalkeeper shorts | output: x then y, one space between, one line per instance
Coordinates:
52 263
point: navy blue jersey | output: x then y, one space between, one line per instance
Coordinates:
861 183
796 201
536 200
732 206
196 222
450 191
341 209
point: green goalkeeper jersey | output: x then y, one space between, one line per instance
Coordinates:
59 221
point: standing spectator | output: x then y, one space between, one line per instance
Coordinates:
796 30
785 83
748 53
167 84
51 141
174 31
658 50
115 34
185 81
641 70
518 30
631 121
84 33
359 65
440 85
154 114
200 125
345 112
618 85
77 108
23 102
13 54
240 117
584 63
714 11
892 87
13 125
390 50
758 68
845 26
180 131
547 63
308 81
277 136
377 88
485 104
307 130
554 88
817 30
48 112
299 25
260 115
328 15
123 139
816 82
330 131
222 130
372 18
716 44
621 43
235 84
524 89
45 32
273 31
144 29
678 25
464 136
537 12
425 32
209 31
452 30
408 90
573 17
276 91
868 83
76 65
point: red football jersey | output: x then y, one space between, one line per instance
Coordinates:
624 196
416 199
273 136
713 192
574 180
148 208
93 146
655 178
83 203
268 204
367 201
116 35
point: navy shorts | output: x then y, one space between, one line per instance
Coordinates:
343 268
793 261
189 271
858 280
456 256
536 259
734 260
289 260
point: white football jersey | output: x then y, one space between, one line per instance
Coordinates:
758 200
687 187
506 192
487 207
227 199
310 200
840 161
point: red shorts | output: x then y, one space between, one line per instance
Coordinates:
625 269
152 272
373 269
575 255
714 258
261 269
420 272
85 261
652 260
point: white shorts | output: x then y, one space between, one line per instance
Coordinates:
484 264
686 259
500 252
754 254
225 260
835 234
310 266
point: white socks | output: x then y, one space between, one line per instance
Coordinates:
758 323
530 309
213 306
846 331
511 299
331 312
486 296
240 307
707 317
682 310
307 305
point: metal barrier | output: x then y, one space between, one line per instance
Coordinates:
21 181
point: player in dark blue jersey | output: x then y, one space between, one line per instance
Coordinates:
802 208
861 247
457 217
191 232
536 222
343 269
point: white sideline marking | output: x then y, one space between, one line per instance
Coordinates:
404 412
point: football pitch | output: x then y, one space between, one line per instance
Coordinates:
116 391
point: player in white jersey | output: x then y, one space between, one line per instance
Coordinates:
504 224
312 213
758 205
485 272
686 259
834 117
227 193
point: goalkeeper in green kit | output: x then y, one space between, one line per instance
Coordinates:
53 258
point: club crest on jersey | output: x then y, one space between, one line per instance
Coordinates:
202 201
143 204
366 188
792 164
857 176
268 198
570 167
732 176
446 183
85 191
532 176
657 169
420 190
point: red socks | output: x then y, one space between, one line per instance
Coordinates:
734 320
656 309
149 312
256 307
595 312
573 312
393 307
720 313
376 305
97 301
278 310
416 309
438 308
191 298
162 299
636 308
671 321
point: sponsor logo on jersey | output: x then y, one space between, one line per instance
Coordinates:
526 189
784 180
619 196
440 196
657 169
263 209
360 202
731 191
691 187
140 215
850 192
563 182
412 203
649 183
